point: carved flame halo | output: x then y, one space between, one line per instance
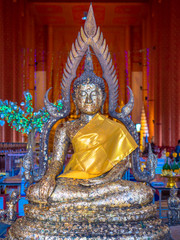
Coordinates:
89 36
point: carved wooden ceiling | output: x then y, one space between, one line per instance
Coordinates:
107 14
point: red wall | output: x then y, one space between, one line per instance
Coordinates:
24 40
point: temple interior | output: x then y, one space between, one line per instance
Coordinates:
39 41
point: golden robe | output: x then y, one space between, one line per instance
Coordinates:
98 147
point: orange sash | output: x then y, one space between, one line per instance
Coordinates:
99 146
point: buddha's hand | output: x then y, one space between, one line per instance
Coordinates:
46 187
114 174
91 182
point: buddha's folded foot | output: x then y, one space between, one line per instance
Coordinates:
119 193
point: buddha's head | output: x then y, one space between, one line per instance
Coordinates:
89 90
88 98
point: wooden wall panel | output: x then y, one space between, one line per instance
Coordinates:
165 19
16 41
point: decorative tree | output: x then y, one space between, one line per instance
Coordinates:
22 118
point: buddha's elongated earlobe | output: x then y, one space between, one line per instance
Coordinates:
102 106
77 110
102 109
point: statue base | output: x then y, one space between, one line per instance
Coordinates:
105 223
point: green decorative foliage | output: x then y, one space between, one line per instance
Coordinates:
23 118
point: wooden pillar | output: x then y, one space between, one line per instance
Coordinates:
14 63
150 78
174 75
157 75
30 63
127 60
2 129
8 59
164 13
144 66
49 80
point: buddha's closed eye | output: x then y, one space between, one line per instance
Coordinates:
83 93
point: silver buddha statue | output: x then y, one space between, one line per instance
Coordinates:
89 200
173 207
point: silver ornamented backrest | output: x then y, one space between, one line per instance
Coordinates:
90 35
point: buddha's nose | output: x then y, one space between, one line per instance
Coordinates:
88 99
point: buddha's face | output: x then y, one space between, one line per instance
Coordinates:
88 98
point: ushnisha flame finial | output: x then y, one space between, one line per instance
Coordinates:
90 24
88 61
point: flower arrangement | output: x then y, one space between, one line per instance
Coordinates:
166 167
170 169
174 154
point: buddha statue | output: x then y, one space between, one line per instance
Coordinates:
173 207
89 200
101 146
